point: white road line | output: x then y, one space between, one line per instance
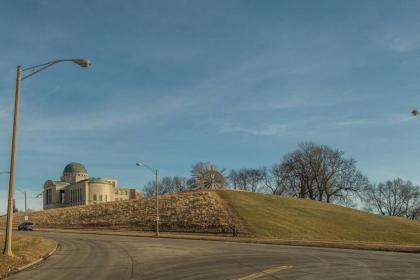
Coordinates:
265 272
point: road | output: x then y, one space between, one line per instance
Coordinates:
88 256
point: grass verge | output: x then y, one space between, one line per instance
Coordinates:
26 249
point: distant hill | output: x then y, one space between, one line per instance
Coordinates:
255 215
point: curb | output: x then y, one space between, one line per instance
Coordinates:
26 266
298 243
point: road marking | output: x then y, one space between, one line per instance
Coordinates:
266 272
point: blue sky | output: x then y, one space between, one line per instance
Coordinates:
239 83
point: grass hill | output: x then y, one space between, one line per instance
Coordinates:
255 215
198 211
268 216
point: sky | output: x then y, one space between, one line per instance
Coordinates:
238 83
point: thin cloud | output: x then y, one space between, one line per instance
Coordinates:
268 130
362 122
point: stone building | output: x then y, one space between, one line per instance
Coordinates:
76 188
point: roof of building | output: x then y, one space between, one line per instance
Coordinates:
59 182
101 180
75 167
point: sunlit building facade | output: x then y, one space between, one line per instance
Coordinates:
76 188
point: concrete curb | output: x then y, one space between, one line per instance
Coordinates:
301 243
26 266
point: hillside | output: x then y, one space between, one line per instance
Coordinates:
255 215
267 216
199 211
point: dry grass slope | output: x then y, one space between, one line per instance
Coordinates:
25 249
277 217
198 211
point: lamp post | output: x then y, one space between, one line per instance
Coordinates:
154 171
24 193
19 78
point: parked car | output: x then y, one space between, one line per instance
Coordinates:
26 226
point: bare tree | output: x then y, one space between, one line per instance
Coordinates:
273 179
233 179
412 204
254 179
320 172
243 179
167 185
149 188
248 179
393 198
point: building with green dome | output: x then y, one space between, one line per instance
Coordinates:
76 188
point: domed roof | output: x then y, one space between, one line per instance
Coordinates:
75 167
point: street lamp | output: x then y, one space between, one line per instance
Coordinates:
19 78
24 193
154 171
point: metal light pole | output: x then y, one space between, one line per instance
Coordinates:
24 193
19 78
156 172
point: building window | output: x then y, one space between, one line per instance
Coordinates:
94 197
62 196
100 197
48 196
106 198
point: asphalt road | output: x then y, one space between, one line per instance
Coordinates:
89 257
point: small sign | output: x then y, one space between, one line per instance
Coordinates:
26 218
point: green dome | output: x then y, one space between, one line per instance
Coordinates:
75 167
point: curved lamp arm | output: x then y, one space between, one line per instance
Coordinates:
38 68
154 170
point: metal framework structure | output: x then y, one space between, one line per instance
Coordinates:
212 179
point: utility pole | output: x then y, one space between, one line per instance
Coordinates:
9 222
12 173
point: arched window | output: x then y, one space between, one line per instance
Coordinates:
100 197
94 197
